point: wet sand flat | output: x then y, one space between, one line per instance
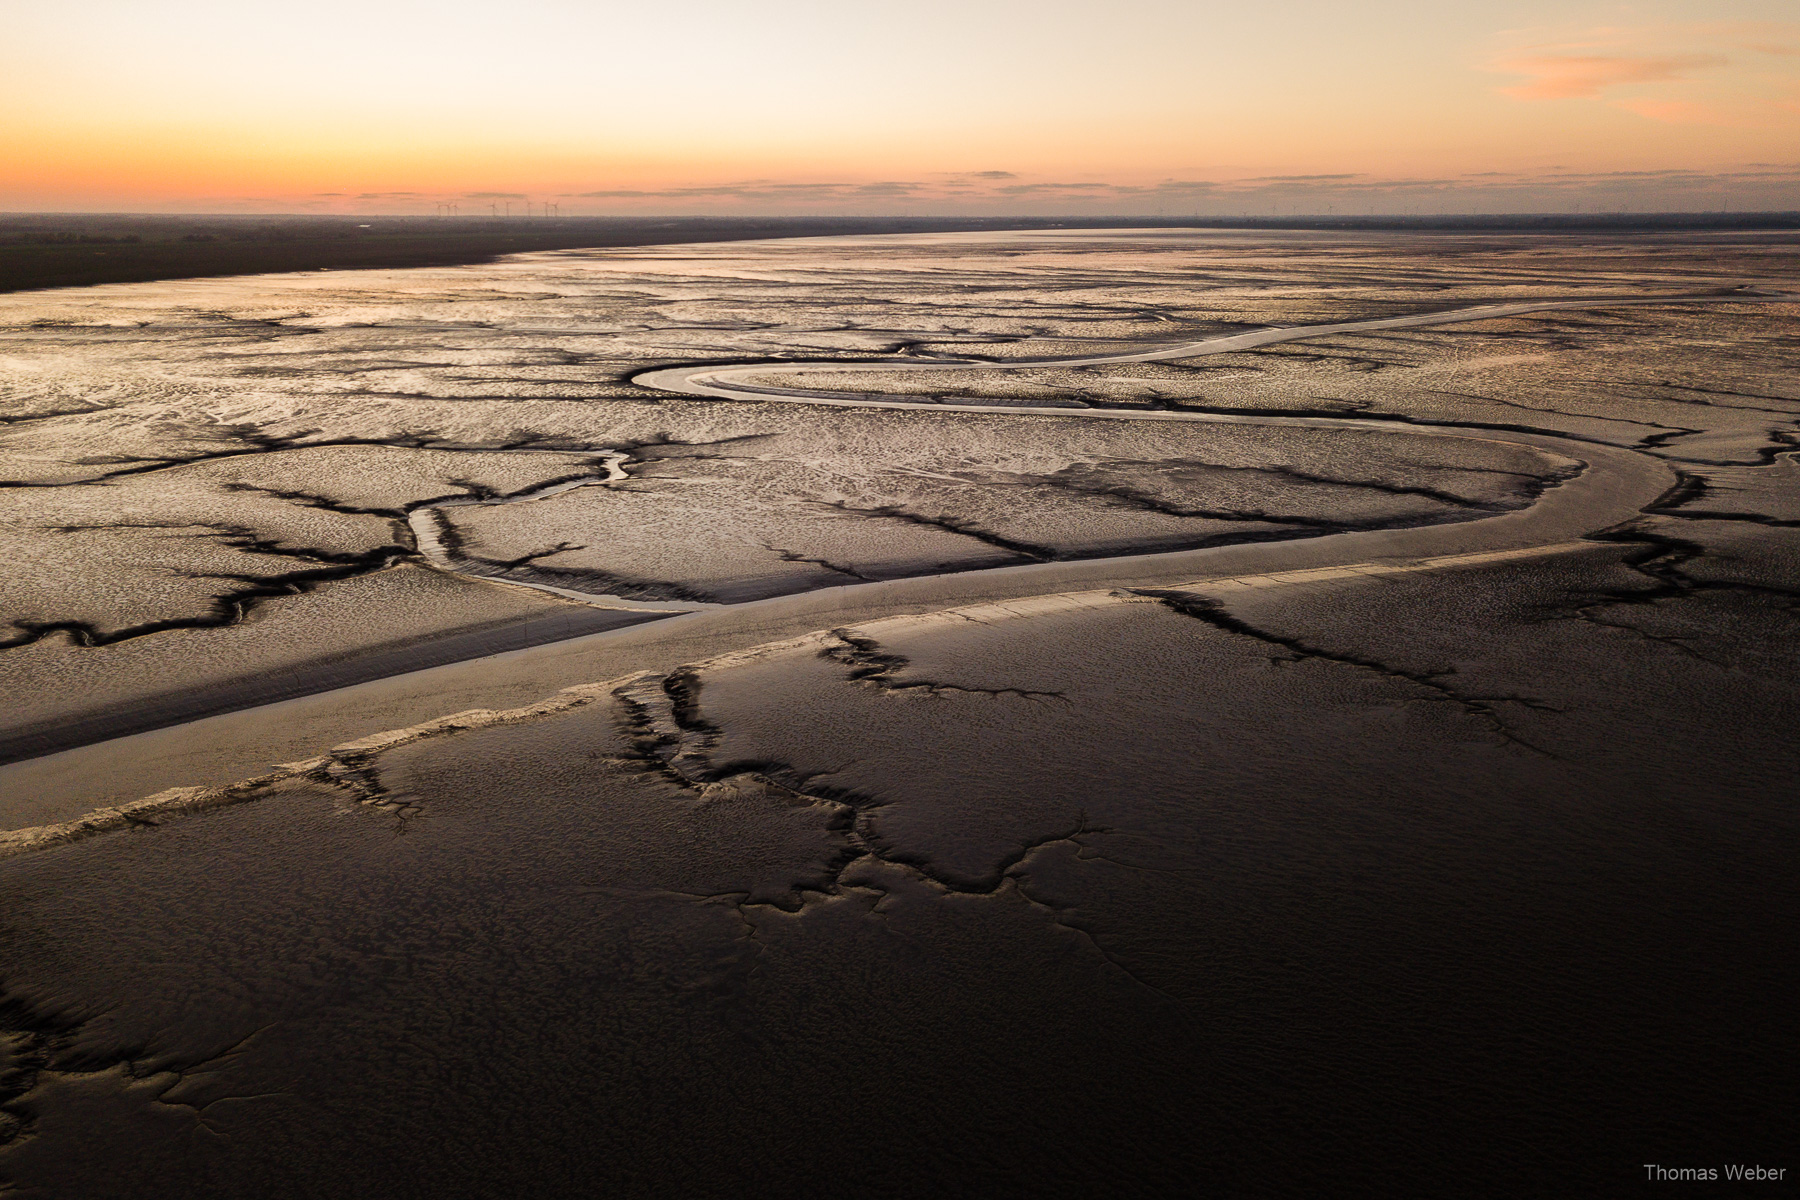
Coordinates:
1133 709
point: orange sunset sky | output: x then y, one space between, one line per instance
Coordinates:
928 107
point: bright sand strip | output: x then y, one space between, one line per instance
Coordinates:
343 761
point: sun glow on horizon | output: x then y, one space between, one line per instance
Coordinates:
997 107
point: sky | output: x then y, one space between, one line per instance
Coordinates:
928 107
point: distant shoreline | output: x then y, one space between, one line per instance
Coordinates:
55 250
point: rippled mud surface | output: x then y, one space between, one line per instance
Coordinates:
1343 764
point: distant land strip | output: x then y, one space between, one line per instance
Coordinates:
52 250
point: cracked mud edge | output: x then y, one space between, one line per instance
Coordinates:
438 542
254 441
431 542
1557 471
1659 558
726 380
232 606
431 532
1691 487
1282 527
350 766
705 379
875 666
670 740
1485 709
43 1043
668 737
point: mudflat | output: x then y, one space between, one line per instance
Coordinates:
1011 713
